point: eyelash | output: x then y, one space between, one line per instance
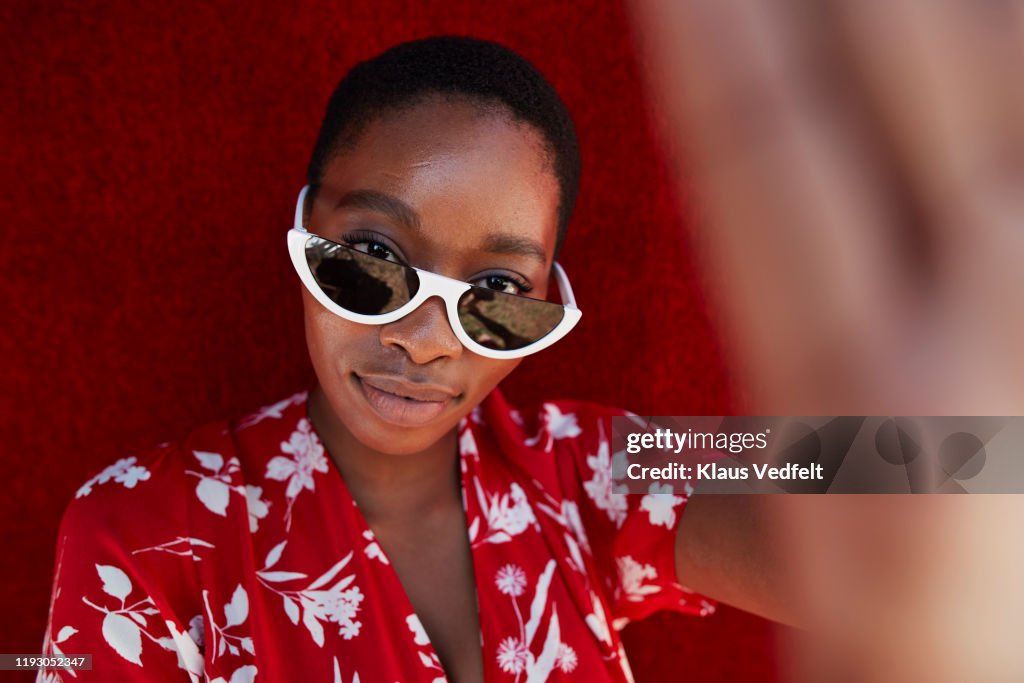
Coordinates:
354 239
519 284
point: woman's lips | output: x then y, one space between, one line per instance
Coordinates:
402 403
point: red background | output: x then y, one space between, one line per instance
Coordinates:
151 160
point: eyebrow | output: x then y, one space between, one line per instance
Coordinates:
371 200
397 210
504 243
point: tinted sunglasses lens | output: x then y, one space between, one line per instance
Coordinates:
358 282
504 321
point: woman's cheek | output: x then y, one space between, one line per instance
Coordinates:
491 372
329 337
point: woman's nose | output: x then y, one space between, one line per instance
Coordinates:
425 334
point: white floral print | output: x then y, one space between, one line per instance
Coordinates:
334 605
566 659
467 445
554 425
513 655
217 482
307 457
181 546
214 487
514 652
196 630
275 411
571 514
507 515
337 673
125 624
65 633
660 505
598 621
511 580
600 487
632 575
428 658
567 514
339 604
243 674
51 646
236 612
372 548
124 472
257 506
419 634
189 657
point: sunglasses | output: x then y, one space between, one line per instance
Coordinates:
370 290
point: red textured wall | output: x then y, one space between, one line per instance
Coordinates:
151 156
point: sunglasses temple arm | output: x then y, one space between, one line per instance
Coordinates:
300 205
563 286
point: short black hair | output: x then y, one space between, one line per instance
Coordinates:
452 66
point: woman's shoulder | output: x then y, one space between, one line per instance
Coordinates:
135 493
205 465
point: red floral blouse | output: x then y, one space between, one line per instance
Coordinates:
239 555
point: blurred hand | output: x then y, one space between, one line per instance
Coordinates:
859 172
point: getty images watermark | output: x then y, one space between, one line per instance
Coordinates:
818 454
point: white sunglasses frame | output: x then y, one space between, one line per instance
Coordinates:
431 284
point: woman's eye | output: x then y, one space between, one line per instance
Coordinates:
502 283
375 249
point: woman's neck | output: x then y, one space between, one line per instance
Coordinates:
389 488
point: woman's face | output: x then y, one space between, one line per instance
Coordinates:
449 187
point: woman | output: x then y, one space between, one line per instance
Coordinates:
400 521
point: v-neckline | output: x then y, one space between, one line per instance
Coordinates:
364 528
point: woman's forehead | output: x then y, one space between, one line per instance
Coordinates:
450 126
459 172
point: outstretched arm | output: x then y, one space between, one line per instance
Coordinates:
726 550
860 170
